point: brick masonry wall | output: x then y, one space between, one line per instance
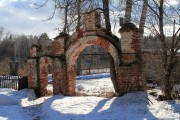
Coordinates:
135 45
130 75
57 47
33 51
32 73
59 76
44 61
130 78
126 41
130 42
74 51
153 65
126 70
91 21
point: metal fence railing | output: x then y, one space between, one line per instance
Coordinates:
13 82
93 63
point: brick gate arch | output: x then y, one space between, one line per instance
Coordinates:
74 51
126 68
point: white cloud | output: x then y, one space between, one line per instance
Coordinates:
34 18
173 2
170 2
19 17
4 3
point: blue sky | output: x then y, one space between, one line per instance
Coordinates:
21 17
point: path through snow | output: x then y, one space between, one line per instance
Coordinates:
132 106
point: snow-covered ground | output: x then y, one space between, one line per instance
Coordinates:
95 87
22 105
19 105
92 85
12 102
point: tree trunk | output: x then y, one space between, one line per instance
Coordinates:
79 14
106 14
166 65
127 17
65 19
168 84
143 17
143 20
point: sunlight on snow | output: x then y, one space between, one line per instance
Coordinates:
107 105
72 105
3 118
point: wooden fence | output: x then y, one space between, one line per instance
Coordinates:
13 82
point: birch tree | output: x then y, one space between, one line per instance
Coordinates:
168 49
128 10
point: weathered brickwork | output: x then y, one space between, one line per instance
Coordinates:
32 73
130 75
33 51
129 78
57 47
153 65
74 51
43 73
135 45
62 54
91 21
126 41
129 38
59 75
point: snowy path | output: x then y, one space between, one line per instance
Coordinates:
11 104
22 105
132 106
33 108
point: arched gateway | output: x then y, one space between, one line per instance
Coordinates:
126 68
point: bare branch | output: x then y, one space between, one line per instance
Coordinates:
41 5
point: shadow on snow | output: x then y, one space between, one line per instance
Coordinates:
130 106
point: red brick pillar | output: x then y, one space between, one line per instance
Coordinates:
56 75
32 73
129 79
71 74
130 75
59 76
43 70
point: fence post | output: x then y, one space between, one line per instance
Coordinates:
23 83
14 67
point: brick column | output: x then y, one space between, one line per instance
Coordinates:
59 76
71 74
43 70
32 73
130 75
130 79
56 75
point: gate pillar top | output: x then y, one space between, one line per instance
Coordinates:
58 47
91 20
129 38
34 50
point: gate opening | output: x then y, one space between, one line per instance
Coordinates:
50 81
93 76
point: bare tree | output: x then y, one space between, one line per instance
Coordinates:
167 49
128 10
1 32
72 9
106 14
79 14
143 17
